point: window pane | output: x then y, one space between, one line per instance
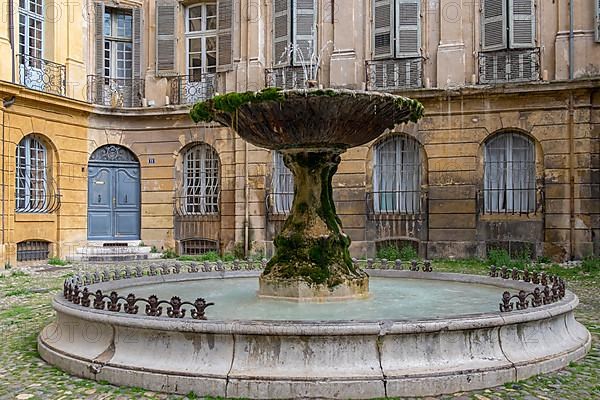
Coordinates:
195 45
107 24
211 24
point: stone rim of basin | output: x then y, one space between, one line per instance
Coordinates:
272 118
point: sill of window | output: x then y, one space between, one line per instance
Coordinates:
34 217
511 217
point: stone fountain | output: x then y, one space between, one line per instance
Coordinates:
312 128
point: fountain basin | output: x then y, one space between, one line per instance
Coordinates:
257 358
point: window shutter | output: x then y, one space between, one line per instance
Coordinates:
137 42
225 35
99 38
408 28
522 19
493 25
598 21
305 31
282 24
166 39
383 21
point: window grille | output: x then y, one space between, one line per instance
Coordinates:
33 250
31 183
509 175
282 186
194 247
201 187
397 176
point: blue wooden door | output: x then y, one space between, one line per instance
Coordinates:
113 201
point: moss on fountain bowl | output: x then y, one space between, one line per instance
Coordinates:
279 119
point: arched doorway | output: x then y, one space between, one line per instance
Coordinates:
113 194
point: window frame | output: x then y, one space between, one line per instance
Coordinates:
395 28
29 16
525 184
200 192
113 41
406 195
203 34
27 173
282 186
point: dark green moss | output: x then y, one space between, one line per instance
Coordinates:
230 102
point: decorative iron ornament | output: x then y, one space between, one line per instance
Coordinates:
552 290
187 89
43 75
115 92
393 75
113 153
153 305
414 265
513 65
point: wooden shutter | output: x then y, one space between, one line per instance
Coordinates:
225 35
493 25
383 21
408 28
522 23
99 38
137 42
598 21
166 38
282 23
304 27
96 92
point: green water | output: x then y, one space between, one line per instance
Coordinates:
390 298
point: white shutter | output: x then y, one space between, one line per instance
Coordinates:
225 35
383 21
493 25
304 26
408 28
166 38
522 23
282 23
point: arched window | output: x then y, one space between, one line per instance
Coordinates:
201 180
31 176
509 174
282 186
397 176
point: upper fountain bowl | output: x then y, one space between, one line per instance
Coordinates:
279 119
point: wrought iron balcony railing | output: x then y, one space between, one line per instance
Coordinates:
279 203
115 92
395 74
187 89
43 75
513 65
286 78
396 204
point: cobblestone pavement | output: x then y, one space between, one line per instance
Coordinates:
25 307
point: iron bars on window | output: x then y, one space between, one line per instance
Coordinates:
513 65
395 74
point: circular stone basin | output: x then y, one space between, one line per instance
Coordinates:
419 334
390 298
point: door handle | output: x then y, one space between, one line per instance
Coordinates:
125 199
114 201
99 198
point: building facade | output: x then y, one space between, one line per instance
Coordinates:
98 147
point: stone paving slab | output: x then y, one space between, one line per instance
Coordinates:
25 297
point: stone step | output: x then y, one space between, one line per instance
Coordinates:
122 243
113 250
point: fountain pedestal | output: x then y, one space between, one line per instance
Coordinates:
312 261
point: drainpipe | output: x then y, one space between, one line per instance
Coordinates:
571 39
571 176
5 105
11 38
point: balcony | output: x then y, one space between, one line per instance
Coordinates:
286 78
394 75
188 89
42 75
514 65
115 92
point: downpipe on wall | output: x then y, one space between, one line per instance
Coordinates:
571 176
3 107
